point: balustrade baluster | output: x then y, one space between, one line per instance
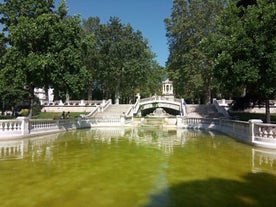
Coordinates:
274 133
6 126
270 133
265 132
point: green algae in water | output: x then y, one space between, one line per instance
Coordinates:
137 167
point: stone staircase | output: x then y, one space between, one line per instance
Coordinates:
115 110
202 111
193 111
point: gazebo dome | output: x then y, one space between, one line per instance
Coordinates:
167 88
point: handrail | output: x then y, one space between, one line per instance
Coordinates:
106 104
136 106
221 108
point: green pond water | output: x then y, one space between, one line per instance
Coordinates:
135 167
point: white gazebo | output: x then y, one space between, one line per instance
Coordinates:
167 89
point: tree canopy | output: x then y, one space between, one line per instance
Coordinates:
188 67
244 50
43 49
120 60
41 46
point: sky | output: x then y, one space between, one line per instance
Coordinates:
144 15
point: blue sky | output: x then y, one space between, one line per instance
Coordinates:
144 15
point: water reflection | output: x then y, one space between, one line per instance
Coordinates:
263 160
12 149
165 140
140 167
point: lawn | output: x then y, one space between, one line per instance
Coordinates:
52 115
245 116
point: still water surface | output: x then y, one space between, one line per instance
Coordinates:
137 167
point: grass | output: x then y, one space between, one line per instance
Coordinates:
52 115
245 116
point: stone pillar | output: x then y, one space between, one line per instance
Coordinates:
82 103
24 125
183 105
252 128
179 122
123 119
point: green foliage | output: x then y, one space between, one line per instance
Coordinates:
44 49
48 48
244 49
188 66
119 60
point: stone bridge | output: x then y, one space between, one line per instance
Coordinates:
169 105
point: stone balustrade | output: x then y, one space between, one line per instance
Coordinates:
200 123
72 103
265 133
74 106
11 127
37 125
252 132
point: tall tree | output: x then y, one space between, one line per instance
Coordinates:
190 70
125 58
44 48
90 51
245 49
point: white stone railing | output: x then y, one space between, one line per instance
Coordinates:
72 103
252 132
42 125
98 108
157 99
264 134
136 106
106 104
11 127
236 129
198 122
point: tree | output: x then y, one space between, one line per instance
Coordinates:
125 58
245 50
90 51
190 70
44 49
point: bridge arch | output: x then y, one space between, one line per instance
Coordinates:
170 106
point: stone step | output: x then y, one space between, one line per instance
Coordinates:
202 111
114 110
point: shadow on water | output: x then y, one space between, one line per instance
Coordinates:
256 189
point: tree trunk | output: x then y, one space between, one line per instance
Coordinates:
117 91
31 100
208 98
89 92
117 94
267 111
89 96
